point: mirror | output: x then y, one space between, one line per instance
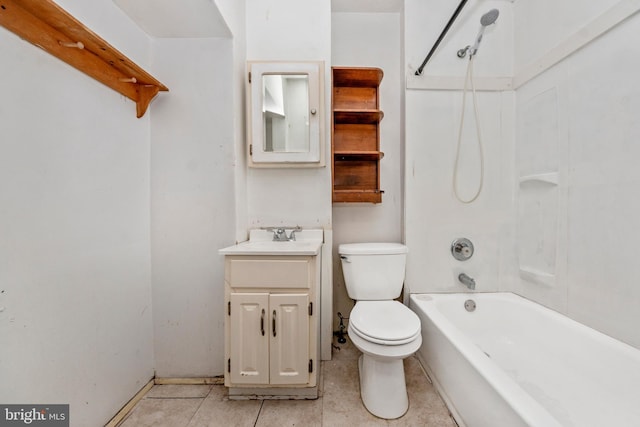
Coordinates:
284 114
285 109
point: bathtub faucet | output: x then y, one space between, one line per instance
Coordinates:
467 281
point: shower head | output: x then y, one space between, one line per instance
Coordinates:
487 19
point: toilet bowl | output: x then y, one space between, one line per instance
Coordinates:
384 330
389 323
382 381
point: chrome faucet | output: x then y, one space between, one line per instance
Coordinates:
467 281
280 234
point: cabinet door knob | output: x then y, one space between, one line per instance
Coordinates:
262 322
273 323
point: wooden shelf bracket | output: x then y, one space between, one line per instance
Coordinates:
46 25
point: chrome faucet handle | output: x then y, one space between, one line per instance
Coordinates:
292 236
462 249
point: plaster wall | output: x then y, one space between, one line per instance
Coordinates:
291 30
362 39
192 203
234 14
75 272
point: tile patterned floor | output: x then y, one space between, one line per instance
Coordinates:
339 404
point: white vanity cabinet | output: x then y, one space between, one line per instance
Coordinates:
272 325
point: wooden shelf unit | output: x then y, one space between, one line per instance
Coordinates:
51 28
355 134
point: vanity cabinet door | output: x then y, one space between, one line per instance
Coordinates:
289 330
269 338
249 338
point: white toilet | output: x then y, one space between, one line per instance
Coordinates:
384 330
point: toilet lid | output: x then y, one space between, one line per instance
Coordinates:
384 322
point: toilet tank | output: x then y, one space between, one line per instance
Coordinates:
373 271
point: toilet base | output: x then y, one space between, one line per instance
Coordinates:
382 387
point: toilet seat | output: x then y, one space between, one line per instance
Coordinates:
384 322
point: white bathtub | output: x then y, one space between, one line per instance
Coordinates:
512 362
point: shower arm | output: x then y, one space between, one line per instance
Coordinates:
442 34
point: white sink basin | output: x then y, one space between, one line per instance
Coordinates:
308 242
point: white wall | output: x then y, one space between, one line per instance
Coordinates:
75 291
192 203
540 26
290 31
372 40
591 141
434 218
234 13
198 154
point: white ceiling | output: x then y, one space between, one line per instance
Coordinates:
176 19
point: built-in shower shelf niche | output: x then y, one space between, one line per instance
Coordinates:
548 178
538 227
49 27
537 276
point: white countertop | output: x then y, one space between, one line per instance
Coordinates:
308 242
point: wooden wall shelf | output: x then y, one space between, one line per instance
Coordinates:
46 25
355 135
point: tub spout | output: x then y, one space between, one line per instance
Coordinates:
467 281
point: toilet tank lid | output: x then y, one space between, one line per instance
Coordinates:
372 249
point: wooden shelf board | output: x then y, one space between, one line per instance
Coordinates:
357 196
357 76
46 25
359 155
357 116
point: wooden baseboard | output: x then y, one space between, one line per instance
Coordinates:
122 413
191 381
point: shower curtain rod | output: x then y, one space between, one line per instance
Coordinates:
442 34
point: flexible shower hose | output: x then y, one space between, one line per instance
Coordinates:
468 78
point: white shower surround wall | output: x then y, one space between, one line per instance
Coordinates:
572 42
539 369
581 63
433 218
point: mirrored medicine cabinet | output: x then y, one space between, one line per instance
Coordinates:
285 113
